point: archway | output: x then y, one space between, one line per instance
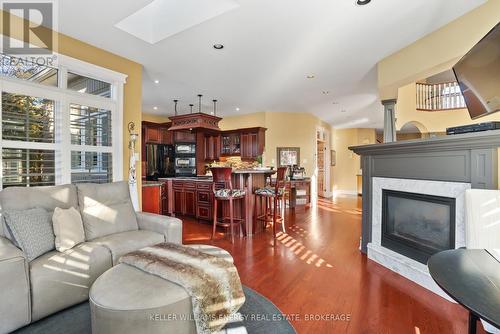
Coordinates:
412 130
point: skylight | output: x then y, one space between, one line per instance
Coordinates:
164 18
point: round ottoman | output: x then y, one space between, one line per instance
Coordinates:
127 300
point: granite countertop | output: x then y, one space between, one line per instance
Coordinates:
194 179
152 183
254 171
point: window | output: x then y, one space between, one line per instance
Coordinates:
25 167
27 118
90 126
70 132
91 167
87 85
26 70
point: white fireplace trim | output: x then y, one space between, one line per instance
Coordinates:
409 268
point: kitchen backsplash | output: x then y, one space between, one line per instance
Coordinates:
234 162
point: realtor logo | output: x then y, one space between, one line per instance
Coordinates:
28 27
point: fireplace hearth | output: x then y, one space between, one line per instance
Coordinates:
417 225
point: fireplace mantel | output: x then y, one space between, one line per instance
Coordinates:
469 158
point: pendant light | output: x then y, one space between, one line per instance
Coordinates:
215 107
199 103
175 107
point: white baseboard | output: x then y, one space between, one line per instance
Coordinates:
345 193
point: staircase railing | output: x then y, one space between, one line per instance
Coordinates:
441 96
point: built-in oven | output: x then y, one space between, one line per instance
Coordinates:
185 162
188 149
185 166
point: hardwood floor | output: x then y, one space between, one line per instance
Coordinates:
317 269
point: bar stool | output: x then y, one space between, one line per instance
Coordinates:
222 175
274 196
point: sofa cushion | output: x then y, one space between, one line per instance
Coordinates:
120 244
59 280
68 228
106 209
32 231
48 198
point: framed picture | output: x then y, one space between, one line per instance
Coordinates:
288 156
333 158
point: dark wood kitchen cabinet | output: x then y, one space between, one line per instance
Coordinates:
155 198
166 137
252 142
211 144
184 193
194 199
204 200
230 143
157 133
152 135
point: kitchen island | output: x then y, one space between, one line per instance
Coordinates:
193 197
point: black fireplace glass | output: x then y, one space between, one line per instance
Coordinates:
417 225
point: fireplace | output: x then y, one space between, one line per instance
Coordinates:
417 225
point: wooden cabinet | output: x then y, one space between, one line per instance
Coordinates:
252 143
204 200
184 137
184 193
299 193
231 143
166 136
190 202
152 199
164 199
212 147
157 133
249 146
193 199
152 135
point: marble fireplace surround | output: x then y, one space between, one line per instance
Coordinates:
409 268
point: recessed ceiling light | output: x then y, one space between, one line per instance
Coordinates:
157 81
310 76
237 109
155 108
362 2
218 46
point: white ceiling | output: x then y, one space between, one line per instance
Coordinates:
270 48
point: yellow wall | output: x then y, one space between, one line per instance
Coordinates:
154 118
283 130
347 167
132 90
436 52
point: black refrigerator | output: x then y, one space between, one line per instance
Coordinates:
160 161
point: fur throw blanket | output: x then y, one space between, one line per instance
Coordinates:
212 282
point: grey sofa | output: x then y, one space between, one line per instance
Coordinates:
55 280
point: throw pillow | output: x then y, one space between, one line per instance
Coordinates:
68 228
32 230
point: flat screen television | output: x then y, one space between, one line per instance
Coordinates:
478 74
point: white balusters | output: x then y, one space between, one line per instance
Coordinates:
441 96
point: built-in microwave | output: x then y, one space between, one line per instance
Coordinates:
185 149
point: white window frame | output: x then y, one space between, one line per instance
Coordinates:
63 97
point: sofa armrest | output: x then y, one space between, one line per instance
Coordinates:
170 227
14 287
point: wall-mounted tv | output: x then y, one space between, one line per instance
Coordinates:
478 74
